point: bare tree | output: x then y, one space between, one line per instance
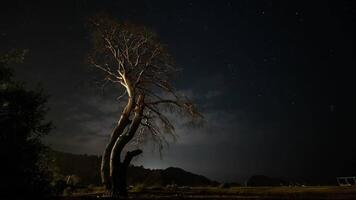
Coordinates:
132 57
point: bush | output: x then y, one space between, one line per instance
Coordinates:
138 188
224 185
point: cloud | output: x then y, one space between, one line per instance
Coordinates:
89 123
213 94
104 105
215 128
75 143
95 117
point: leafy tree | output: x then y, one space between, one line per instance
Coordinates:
22 114
132 58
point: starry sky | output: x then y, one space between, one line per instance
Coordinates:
273 79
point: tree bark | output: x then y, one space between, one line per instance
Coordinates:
117 174
121 177
105 162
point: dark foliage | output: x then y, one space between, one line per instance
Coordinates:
87 167
23 156
229 185
261 180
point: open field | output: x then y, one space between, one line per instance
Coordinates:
284 192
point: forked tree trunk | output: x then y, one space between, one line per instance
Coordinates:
105 162
118 169
120 179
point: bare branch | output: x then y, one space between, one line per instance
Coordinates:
134 57
121 96
163 101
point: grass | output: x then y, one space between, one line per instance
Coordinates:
283 192
279 190
309 192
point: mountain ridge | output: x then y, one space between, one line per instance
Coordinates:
87 169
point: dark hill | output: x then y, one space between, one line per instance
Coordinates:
87 168
171 175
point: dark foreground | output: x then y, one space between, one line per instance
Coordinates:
250 193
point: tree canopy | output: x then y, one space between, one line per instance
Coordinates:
133 57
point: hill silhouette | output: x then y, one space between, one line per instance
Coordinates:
87 169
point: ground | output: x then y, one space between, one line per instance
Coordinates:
251 193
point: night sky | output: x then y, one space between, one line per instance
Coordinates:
273 79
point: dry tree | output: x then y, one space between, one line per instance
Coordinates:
132 58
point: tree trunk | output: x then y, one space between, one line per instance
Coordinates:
122 176
105 162
118 169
